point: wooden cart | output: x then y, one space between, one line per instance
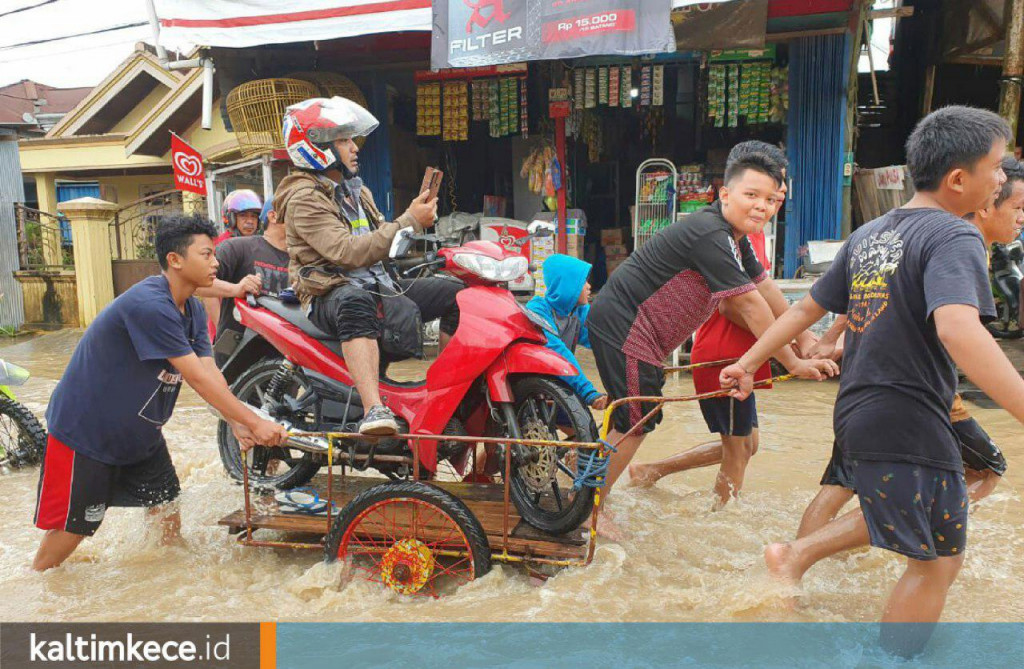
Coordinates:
415 537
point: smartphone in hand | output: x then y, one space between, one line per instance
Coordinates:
432 182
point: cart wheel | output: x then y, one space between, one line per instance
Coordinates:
414 538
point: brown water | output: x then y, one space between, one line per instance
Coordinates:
683 562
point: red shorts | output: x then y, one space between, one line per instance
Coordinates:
75 490
721 339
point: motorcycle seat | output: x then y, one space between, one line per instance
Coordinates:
294 314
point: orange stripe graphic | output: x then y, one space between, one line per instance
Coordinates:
268 645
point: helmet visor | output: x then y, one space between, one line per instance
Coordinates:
342 119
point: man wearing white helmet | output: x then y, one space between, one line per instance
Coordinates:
338 243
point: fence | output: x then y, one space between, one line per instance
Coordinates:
133 230
42 244
879 190
133 237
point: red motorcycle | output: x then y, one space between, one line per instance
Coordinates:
495 378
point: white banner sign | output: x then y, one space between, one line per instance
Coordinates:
889 178
242 23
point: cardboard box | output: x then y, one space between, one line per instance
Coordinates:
613 236
574 245
615 251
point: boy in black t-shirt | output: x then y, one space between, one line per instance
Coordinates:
673 283
984 464
256 264
913 284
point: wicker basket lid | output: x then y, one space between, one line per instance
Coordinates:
330 84
257 107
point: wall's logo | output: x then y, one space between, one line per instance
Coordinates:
478 19
189 166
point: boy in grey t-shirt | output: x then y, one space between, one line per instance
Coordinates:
914 286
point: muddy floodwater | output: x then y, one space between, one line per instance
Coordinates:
681 562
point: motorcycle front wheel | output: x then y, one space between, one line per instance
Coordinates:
541 482
22 438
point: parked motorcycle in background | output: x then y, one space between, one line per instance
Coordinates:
22 437
1006 274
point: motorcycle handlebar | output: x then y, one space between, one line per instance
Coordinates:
438 262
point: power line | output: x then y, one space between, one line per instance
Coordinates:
51 54
64 37
25 9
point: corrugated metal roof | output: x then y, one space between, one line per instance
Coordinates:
20 98
12 310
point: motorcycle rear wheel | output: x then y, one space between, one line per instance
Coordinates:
294 467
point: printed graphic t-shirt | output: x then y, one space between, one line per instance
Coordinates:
664 291
119 389
242 256
897 385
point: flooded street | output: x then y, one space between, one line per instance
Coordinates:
682 562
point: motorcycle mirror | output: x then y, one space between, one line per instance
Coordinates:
11 374
402 244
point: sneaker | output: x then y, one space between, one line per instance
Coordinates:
378 422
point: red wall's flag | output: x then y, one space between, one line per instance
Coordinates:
188 167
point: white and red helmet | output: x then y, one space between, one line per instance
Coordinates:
310 127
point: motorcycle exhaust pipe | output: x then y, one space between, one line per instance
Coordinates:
304 443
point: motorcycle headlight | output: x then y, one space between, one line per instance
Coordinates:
236 314
502 271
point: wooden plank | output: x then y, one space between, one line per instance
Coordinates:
485 501
897 13
549 547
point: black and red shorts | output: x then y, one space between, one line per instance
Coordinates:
625 376
75 491
730 416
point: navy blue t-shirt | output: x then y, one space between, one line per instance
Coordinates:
897 385
119 389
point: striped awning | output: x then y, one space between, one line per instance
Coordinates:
243 23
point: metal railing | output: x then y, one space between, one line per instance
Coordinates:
133 230
44 240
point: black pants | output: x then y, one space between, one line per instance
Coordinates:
349 312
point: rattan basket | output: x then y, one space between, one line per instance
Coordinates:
330 84
257 107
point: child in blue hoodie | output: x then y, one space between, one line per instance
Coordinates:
565 308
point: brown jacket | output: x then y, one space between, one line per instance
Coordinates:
318 236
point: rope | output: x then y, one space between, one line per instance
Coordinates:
592 467
698 365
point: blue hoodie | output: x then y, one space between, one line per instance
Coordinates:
565 277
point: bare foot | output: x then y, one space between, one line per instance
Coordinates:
607 529
781 563
643 476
